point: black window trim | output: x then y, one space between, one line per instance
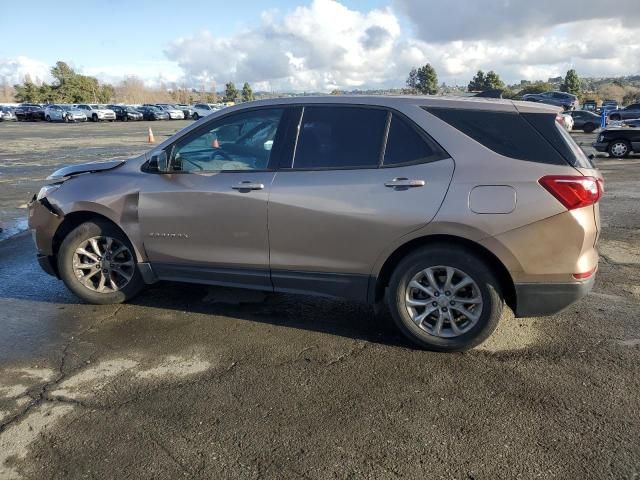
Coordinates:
390 112
287 164
272 166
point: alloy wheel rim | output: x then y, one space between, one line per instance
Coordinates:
443 301
619 149
103 264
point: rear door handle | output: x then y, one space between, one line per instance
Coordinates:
248 185
405 183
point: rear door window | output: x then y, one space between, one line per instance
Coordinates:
506 133
336 137
406 146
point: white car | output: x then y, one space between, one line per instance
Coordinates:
173 112
567 121
97 113
203 109
64 113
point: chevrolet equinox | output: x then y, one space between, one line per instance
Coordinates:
446 209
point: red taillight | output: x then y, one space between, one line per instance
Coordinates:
573 191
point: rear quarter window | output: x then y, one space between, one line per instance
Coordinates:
505 133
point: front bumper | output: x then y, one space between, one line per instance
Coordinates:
600 147
47 263
542 299
44 220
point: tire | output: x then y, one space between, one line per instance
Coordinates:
82 236
589 127
619 148
94 117
470 332
48 118
195 116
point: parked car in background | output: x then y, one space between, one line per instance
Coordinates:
64 113
203 109
151 112
7 114
351 197
29 113
585 120
567 121
126 113
618 142
97 113
609 105
590 106
632 123
186 109
561 99
173 112
630 112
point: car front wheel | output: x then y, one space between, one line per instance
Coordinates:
589 127
445 299
97 262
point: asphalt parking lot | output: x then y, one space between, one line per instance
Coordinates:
200 382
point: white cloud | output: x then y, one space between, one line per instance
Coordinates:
324 45
14 70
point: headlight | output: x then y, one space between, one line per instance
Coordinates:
46 190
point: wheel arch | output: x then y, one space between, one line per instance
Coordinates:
76 218
381 281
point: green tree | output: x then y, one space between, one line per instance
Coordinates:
423 80
230 93
412 79
537 87
247 92
477 83
493 81
27 92
571 83
482 82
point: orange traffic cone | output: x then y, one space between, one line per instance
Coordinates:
150 137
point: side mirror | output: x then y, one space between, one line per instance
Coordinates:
159 162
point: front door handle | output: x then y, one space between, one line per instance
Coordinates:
248 185
405 183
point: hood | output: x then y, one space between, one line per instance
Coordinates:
71 170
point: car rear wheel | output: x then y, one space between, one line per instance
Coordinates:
445 299
48 118
196 116
589 127
96 261
619 148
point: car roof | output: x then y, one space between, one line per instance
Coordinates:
470 103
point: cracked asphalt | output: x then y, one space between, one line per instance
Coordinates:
198 382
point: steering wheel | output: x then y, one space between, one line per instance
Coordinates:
199 167
219 152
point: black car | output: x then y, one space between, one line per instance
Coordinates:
29 113
561 99
618 141
585 120
125 113
152 113
626 113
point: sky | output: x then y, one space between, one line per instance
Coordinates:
318 45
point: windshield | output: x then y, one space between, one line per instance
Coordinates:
95 107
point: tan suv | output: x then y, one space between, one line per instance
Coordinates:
445 208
